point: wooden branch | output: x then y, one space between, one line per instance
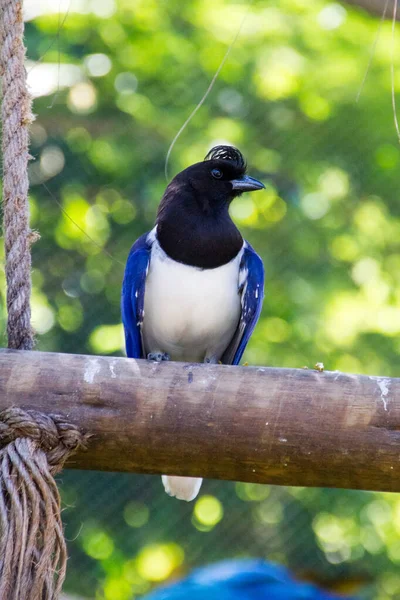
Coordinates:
376 7
280 426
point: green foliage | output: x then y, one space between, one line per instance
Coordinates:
327 227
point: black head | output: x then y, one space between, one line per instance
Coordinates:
193 222
228 165
217 180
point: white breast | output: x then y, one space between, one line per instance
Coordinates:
190 313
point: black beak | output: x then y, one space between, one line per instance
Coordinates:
247 184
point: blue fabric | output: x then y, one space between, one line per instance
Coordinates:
132 300
250 579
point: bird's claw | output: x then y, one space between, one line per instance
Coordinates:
158 356
210 360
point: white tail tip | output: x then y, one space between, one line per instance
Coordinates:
183 488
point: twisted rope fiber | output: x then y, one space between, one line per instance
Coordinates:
33 554
16 117
34 446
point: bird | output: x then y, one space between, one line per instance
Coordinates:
193 287
241 579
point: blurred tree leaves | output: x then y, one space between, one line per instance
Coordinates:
115 81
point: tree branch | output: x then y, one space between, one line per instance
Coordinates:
376 7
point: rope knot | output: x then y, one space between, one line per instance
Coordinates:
51 433
33 448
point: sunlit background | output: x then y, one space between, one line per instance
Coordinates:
113 81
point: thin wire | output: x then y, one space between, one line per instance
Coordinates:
59 57
57 39
372 52
208 90
203 99
53 41
52 196
396 122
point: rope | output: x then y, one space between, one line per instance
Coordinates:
33 446
33 554
16 116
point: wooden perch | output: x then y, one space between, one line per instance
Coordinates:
280 426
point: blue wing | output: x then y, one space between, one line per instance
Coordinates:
252 294
132 300
248 579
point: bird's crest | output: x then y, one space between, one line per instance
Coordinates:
228 153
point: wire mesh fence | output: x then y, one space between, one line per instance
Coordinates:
113 82
125 535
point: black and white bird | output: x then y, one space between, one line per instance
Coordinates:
193 287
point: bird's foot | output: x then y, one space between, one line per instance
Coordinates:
211 360
158 356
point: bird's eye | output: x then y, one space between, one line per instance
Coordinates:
216 173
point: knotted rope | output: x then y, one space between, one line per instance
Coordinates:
33 553
16 117
33 446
